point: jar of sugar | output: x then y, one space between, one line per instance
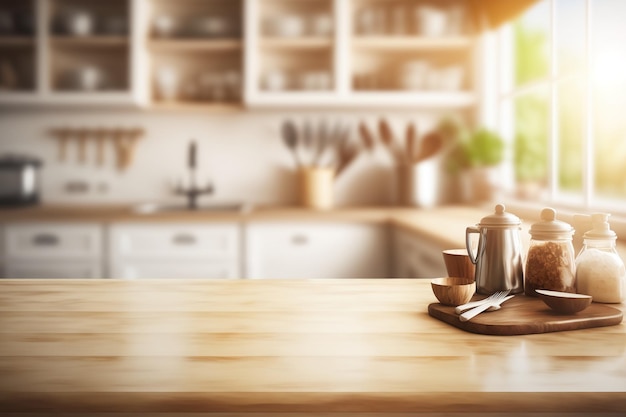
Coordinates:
550 261
600 271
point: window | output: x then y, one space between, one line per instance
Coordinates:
562 98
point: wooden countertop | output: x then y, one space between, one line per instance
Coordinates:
306 346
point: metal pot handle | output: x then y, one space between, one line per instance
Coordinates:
468 246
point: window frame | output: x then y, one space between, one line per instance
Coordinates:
506 93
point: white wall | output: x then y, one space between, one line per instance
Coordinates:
240 152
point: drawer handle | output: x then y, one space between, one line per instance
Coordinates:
300 239
184 239
45 239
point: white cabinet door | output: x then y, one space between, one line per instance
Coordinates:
180 241
38 241
52 270
416 257
317 250
150 250
52 250
176 270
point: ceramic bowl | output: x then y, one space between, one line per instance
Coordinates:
452 291
564 302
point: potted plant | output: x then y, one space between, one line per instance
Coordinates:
476 157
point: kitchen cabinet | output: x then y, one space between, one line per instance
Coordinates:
221 55
411 52
285 250
146 250
373 53
18 52
53 250
415 256
195 53
293 52
79 52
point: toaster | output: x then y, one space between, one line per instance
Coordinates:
19 180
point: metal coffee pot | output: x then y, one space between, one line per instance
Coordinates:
498 258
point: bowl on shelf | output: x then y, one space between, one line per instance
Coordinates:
285 26
78 23
564 302
453 291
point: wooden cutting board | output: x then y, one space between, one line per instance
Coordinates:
528 315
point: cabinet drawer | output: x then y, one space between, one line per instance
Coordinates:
186 241
53 241
320 250
52 270
176 270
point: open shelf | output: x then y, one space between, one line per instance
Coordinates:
410 43
16 41
95 41
310 42
191 45
197 106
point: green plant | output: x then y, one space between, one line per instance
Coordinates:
480 148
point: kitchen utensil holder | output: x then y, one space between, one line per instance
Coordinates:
418 184
316 187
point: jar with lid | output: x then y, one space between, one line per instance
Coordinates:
550 262
600 271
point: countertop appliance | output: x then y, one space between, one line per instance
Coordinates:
19 180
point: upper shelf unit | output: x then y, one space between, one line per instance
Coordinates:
79 51
195 53
358 53
228 54
17 47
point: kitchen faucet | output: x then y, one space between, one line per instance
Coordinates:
193 191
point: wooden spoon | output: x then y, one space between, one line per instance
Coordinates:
386 136
100 136
82 136
62 136
411 142
431 145
366 136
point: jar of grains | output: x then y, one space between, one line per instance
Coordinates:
550 261
600 271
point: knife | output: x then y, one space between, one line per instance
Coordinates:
470 314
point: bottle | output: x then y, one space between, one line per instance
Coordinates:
550 262
600 271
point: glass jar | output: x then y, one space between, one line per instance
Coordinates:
550 261
600 271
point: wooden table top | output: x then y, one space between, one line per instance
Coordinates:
299 346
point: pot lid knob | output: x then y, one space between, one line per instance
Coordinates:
500 218
551 228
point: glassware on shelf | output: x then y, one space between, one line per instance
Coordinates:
167 83
321 25
164 26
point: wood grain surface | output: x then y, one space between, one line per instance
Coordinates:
528 315
97 347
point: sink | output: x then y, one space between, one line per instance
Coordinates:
153 208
